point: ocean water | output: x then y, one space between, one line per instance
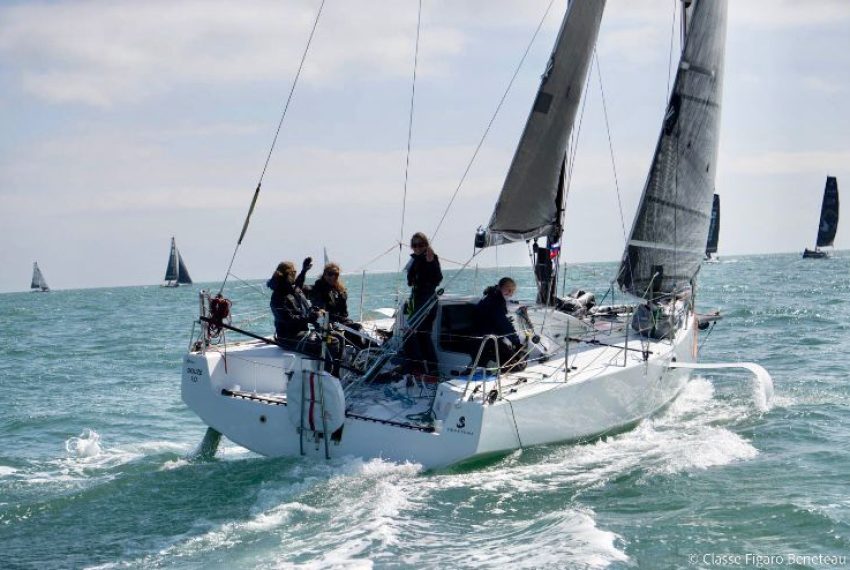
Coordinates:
94 440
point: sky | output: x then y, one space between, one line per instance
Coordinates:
127 122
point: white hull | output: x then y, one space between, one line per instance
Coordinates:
610 389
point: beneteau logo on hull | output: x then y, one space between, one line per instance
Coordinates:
461 423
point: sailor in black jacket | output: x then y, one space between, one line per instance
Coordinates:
491 318
293 315
329 293
423 276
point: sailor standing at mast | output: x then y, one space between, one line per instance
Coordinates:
423 276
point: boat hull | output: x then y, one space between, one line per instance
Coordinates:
243 397
814 254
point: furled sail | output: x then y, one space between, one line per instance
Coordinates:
38 281
528 205
828 213
714 227
667 241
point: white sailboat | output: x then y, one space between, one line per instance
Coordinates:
176 273
38 284
590 370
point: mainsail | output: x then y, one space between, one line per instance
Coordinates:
176 271
668 238
713 228
828 213
38 281
529 204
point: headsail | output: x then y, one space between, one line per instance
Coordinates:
668 238
528 206
38 282
713 228
828 213
183 273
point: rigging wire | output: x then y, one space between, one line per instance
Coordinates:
610 144
492 119
670 56
274 142
409 138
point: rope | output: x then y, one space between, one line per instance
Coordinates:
376 258
274 142
492 119
257 289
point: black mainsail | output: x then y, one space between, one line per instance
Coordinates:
828 213
529 205
668 238
176 272
713 228
38 283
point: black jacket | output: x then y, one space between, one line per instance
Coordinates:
423 276
291 309
491 316
335 302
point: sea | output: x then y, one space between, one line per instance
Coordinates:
96 467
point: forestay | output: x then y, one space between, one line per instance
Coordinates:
528 205
668 238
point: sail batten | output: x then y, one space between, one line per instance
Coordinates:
678 195
528 206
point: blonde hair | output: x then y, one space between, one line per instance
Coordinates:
283 268
339 285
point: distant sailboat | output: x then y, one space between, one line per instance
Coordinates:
713 230
39 284
176 273
828 220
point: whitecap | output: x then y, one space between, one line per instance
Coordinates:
6 471
87 444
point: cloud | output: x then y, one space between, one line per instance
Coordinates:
822 85
779 14
784 163
102 53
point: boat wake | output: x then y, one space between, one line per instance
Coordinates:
527 509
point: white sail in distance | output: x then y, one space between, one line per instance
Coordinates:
38 281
